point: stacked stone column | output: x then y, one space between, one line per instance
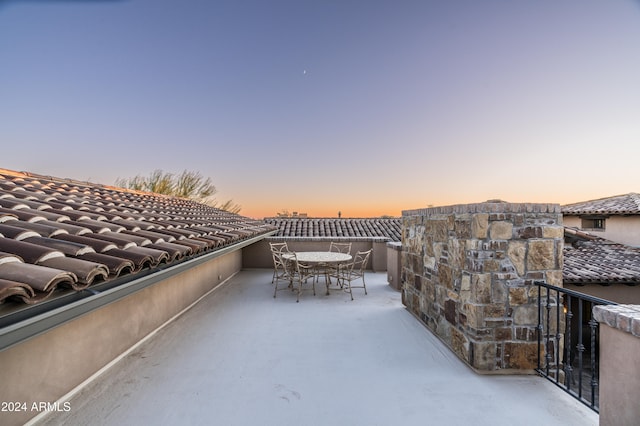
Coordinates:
468 273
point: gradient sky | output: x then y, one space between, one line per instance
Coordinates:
365 107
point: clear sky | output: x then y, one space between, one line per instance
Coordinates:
365 107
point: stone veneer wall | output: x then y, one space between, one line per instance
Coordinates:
468 273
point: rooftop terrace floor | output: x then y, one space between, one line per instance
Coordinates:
241 357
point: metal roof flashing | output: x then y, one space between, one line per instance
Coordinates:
23 324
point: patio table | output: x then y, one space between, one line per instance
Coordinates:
319 258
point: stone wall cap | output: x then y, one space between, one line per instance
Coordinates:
491 206
622 317
394 245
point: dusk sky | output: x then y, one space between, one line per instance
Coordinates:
363 107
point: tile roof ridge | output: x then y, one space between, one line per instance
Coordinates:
13 173
623 204
30 175
633 195
580 233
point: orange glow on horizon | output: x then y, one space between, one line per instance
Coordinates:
260 212
372 210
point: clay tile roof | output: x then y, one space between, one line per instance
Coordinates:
389 228
63 234
591 259
626 204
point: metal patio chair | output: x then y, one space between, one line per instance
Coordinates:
279 263
301 273
332 270
354 271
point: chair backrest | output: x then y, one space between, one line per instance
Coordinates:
278 246
360 260
340 247
277 250
302 269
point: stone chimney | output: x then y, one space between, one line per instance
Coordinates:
468 273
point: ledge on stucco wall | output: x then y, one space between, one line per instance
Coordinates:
625 318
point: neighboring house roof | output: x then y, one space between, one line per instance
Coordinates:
58 233
620 204
388 228
589 259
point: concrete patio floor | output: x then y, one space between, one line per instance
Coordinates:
241 357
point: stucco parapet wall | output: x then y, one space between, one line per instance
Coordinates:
486 208
622 317
350 239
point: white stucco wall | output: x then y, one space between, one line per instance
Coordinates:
621 229
46 367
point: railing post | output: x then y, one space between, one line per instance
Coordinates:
558 335
580 348
568 361
593 324
547 355
540 327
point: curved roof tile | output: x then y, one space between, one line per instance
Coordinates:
140 260
30 253
66 226
9 257
13 203
175 251
41 278
97 245
86 272
69 248
122 243
44 229
154 236
16 233
117 266
157 256
15 290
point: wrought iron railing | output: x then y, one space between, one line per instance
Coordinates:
568 341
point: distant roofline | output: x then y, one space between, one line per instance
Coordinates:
623 204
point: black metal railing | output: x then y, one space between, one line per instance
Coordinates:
568 341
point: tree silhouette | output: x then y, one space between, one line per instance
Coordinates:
188 184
